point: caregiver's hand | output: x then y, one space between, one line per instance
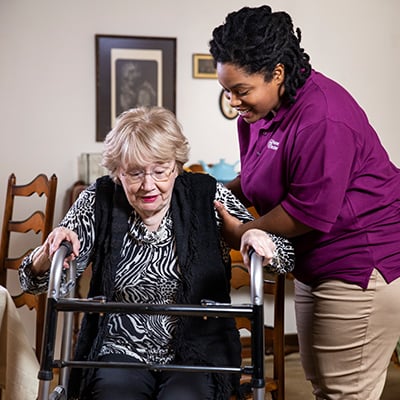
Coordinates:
232 228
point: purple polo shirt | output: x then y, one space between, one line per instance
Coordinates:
323 162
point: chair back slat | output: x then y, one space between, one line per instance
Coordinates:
39 222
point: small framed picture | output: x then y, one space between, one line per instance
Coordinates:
132 72
203 66
226 109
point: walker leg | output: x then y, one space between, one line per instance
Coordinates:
259 393
44 388
58 393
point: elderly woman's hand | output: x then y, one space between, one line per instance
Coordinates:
42 258
262 244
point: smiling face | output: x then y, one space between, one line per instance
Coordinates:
250 94
149 190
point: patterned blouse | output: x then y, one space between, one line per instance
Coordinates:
147 273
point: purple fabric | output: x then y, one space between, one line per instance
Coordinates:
323 162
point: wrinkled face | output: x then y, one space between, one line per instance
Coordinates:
250 95
149 187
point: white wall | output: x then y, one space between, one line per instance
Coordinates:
47 72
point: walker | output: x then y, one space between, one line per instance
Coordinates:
61 298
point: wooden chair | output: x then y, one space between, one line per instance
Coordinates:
274 286
40 222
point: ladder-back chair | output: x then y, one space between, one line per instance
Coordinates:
40 222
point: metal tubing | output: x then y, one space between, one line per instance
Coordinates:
57 289
152 367
257 335
169 309
58 393
66 343
45 374
56 270
49 339
44 388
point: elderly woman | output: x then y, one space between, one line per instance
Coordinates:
152 234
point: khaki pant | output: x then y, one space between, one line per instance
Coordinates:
347 336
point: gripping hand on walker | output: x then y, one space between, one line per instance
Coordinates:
42 258
262 244
234 232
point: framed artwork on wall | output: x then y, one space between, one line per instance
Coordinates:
203 66
132 72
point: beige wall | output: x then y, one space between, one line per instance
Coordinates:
47 72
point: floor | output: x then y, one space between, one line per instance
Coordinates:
297 388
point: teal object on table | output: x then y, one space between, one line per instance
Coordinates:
222 171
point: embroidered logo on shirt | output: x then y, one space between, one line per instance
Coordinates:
273 144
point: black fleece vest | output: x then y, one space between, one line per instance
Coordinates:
211 341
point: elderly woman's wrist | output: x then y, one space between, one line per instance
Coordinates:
40 262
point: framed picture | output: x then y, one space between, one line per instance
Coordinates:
132 72
226 109
203 66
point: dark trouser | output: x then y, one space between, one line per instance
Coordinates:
142 384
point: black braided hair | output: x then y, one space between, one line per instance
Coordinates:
256 40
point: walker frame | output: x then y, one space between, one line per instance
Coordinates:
61 298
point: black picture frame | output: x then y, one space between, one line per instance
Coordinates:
132 71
